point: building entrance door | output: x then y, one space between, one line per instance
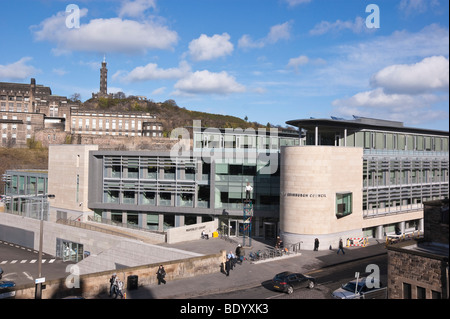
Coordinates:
232 228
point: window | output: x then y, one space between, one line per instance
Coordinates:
406 291
421 293
343 204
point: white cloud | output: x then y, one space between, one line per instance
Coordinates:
205 82
209 48
151 71
159 91
105 35
295 63
293 3
430 74
18 70
376 103
417 6
356 26
136 8
409 93
277 32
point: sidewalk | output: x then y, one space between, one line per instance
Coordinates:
247 275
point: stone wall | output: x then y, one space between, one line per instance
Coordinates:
131 143
436 228
96 285
406 266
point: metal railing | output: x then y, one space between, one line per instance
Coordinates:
274 252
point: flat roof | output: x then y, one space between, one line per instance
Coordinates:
361 123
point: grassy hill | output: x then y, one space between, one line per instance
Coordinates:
169 113
22 158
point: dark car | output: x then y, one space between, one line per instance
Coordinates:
7 289
289 281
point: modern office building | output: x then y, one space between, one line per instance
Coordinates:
159 190
358 178
331 179
25 192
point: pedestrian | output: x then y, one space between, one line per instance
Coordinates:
316 244
240 253
341 247
119 288
160 274
232 259
112 284
227 267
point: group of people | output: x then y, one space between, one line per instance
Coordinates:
116 287
340 246
233 258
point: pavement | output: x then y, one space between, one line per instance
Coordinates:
248 274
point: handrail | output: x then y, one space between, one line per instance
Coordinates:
78 224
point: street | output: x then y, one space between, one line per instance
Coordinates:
328 279
20 264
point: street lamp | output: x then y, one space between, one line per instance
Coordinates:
38 291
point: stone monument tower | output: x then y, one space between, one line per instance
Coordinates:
103 79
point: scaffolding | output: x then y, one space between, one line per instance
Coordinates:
247 227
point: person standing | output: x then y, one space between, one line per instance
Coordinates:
160 274
316 244
341 247
248 190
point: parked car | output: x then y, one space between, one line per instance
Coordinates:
7 289
289 281
349 290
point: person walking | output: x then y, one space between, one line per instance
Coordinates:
341 247
316 244
227 267
112 285
119 288
160 274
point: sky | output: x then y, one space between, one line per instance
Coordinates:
268 60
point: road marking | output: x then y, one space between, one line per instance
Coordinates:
28 275
13 261
51 261
3 262
33 261
23 261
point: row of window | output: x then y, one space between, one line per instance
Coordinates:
243 141
14 107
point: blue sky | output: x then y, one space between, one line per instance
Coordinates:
269 60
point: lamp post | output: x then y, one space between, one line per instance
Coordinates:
38 291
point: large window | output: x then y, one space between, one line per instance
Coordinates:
343 204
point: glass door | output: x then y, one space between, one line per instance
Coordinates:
233 228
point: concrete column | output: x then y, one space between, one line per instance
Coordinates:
345 137
421 225
379 232
124 217
401 225
179 220
316 136
142 220
160 222
106 215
